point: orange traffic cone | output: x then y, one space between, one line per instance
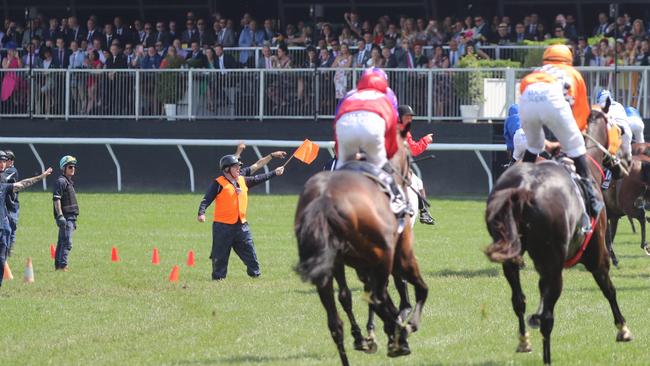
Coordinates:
52 251
114 256
155 259
7 275
173 277
190 258
29 271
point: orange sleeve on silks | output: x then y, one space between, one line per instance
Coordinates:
581 103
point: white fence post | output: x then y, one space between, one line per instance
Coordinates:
67 95
190 86
511 86
137 94
261 96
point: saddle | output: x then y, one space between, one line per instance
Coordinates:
376 174
584 187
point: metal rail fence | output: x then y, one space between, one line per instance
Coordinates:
435 94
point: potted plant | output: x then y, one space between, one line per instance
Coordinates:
169 93
469 85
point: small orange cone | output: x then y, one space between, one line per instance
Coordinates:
114 256
52 251
155 258
7 275
190 258
29 271
173 277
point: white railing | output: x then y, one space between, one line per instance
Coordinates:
435 94
255 144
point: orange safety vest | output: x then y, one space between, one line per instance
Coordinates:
577 91
230 207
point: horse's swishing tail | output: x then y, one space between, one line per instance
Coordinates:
504 207
318 242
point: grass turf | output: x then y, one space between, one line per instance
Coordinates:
127 313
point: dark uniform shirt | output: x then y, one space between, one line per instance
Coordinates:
215 188
5 189
10 175
64 191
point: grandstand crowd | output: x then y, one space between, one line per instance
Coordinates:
347 42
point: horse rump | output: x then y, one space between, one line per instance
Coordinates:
318 243
505 207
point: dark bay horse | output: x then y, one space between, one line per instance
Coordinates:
622 199
343 218
535 208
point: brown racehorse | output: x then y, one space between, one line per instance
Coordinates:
622 196
344 218
534 208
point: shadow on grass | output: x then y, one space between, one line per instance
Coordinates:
487 272
618 288
256 359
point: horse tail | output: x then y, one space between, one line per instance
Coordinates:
504 209
318 243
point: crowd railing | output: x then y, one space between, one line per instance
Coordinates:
435 94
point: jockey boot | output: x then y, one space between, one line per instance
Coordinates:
398 203
594 203
529 157
425 216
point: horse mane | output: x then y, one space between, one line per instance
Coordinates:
505 209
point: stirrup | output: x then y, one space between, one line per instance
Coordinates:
585 225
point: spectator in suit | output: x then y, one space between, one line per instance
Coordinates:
52 32
204 36
117 60
454 53
160 49
152 60
109 35
421 60
130 55
266 59
149 36
520 33
362 55
531 28
224 60
389 59
75 32
582 54
97 45
195 58
190 34
162 35
250 37
326 59
603 27
77 80
77 56
121 31
226 35
33 30
92 32
173 31
481 31
404 56
32 57
61 54
138 34
269 34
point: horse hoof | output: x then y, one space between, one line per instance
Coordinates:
534 321
624 335
646 249
399 350
361 345
524 347
372 346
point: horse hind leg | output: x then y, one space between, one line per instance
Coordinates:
511 272
326 293
640 215
345 299
551 291
610 233
600 272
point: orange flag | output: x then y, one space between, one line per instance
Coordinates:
307 152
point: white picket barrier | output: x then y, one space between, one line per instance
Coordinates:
255 144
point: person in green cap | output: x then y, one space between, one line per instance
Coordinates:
66 211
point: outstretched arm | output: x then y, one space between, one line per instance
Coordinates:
25 183
265 160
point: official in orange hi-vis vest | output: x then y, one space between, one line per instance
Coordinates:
230 228
555 96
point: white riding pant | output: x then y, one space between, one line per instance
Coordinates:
416 183
520 142
617 115
637 126
543 104
361 130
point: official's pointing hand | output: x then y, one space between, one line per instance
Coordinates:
279 154
279 170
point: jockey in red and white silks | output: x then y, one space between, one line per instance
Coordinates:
366 119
